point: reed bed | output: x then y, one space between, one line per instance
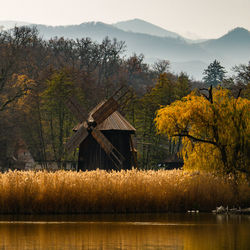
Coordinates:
130 191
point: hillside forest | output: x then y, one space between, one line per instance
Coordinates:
37 74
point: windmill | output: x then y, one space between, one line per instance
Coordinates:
104 137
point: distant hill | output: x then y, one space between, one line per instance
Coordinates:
150 46
230 49
5 25
141 26
236 37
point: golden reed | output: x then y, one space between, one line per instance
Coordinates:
117 192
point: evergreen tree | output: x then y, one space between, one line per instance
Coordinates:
214 74
182 86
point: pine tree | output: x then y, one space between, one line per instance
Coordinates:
214 74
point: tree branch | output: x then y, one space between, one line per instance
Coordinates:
195 139
239 93
18 95
210 93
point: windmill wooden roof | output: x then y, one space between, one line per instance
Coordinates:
114 122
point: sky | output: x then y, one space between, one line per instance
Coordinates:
200 18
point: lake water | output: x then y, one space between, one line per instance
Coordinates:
141 231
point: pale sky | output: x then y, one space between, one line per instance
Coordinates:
205 18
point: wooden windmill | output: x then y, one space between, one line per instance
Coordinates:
104 137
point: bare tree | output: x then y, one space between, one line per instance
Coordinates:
161 66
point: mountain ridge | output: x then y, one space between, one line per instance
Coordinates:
140 26
230 49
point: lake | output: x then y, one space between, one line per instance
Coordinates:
136 231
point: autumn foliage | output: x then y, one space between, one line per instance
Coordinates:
214 129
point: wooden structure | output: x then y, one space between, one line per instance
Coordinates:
104 138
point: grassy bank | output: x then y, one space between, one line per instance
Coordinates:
125 191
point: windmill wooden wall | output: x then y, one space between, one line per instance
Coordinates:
118 131
92 156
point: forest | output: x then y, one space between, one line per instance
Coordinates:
37 74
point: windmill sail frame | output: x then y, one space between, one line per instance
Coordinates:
100 115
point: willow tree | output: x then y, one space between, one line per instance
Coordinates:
214 130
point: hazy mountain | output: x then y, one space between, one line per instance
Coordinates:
5 25
95 30
230 49
150 46
193 68
141 26
173 49
233 48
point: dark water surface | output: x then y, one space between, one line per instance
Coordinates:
141 231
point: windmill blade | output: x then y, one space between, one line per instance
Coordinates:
76 139
75 108
111 105
122 95
108 108
115 156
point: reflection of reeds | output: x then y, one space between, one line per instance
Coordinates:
125 191
199 234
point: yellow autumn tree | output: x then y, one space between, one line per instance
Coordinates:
18 86
214 130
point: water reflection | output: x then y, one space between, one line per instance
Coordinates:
164 231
